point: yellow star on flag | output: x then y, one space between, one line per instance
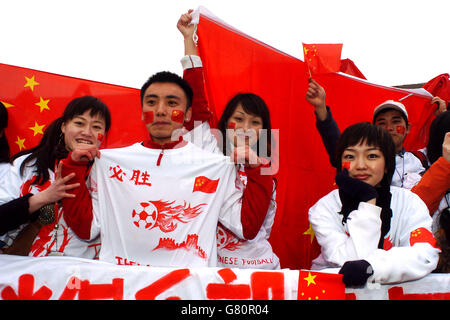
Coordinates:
20 143
31 83
310 232
37 128
43 104
310 278
7 105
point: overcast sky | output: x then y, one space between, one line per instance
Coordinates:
392 42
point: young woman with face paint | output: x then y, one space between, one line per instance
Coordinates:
370 230
31 198
244 121
391 115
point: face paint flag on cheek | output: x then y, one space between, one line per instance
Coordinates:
346 165
231 125
178 116
100 137
400 130
148 117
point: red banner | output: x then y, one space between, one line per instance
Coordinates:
234 62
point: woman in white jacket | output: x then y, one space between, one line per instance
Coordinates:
370 230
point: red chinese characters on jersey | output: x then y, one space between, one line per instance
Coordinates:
117 173
140 178
163 215
206 185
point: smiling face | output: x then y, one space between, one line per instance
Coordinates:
164 110
395 124
245 125
83 129
365 163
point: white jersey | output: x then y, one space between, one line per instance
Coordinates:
4 170
408 253
54 239
408 171
251 254
232 251
157 207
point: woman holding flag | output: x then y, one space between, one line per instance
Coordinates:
33 223
245 123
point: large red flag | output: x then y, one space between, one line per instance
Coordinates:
34 99
234 62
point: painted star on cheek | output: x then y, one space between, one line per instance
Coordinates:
178 116
346 165
400 130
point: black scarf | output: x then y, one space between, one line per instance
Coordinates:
383 201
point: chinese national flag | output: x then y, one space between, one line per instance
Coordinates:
204 184
422 235
320 286
235 62
35 98
322 58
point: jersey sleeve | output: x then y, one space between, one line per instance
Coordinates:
353 241
434 184
193 74
329 132
78 211
415 255
14 205
245 209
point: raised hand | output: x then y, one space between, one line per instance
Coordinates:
85 153
316 96
55 192
187 30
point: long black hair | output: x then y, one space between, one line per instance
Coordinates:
254 105
372 135
52 146
4 146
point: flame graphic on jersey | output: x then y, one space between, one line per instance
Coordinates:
163 215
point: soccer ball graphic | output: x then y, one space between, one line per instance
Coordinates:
221 237
145 215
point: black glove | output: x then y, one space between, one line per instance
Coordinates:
356 273
355 188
